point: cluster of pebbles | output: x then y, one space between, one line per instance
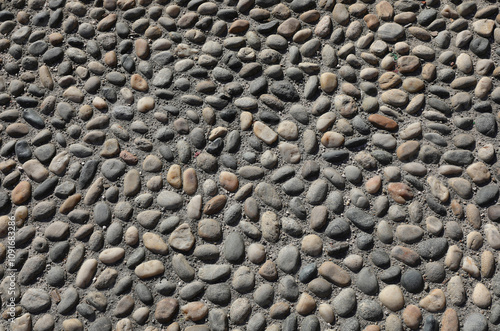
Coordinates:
249 165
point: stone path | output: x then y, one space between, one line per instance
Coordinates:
249 165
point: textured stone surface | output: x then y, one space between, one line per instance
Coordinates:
300 165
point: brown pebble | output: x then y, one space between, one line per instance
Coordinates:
429 72
334 274
264 133
138 83
487 264
332 139
408 64
21 193
289 27
449 321
389 80
328 82
239 26
392 297
372 21
405 255
189 181
56 38
174 176
400 192
310 16
173 10
268 271
407 150
281 12
142 48
70 203
383 122
228 181
149 269
7 166
110 59
456 208
434 301
215 205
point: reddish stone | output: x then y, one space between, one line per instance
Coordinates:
215 205
166 310
129 158
405 255
239 26
383 122
400 192
21 193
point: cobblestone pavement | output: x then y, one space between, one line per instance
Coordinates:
249 165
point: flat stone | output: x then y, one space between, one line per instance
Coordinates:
345 302
391 32
361 219
166 310
214 273
400 192
269 196
434 302
475 321
305 304
181 238
392 297
35 301
334 274
170 200
405 255
149 269
409 233
383 122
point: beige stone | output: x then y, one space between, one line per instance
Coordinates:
392 297
434 302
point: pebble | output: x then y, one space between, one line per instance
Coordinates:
456 291
86 273
195 311
240 311
392 297
475 321
435 301
412 281
409 233
21 193
400 192
481 296
181 238
305 305
412 317
35 301
432 248
166 309
312 245
149 269
334 274
367 281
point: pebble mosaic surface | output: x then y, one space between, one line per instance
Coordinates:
249 165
